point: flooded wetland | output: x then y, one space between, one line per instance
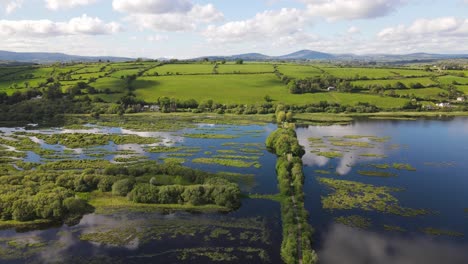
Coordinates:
376 191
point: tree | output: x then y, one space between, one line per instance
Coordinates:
122 187
267 98
289 116
239 61
280 117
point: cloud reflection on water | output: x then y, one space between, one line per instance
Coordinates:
347 245
351 157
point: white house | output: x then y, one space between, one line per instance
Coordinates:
461 99
443 105
331 88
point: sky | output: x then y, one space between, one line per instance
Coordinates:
195 28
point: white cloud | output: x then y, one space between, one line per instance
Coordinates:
437 27
354 30
11 5
352 9
162 15
66 4
83 25
152 6
157 38
266 25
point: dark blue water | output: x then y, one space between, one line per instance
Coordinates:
437 149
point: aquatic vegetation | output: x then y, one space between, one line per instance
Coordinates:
226 162
376 173
236 157
166 149
130 159
372 138
403 166
439 232
121 238
322 171
74 165
80 140
354 221
226 151
372 155
392 228
330 154
251 151
349 195
210 136
358 144
174 160
380 166
180 154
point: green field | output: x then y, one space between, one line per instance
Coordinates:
353 73
425 81
423 92
299 71
244 89
113 84
175 69
463 88
231 83
245 68
449 79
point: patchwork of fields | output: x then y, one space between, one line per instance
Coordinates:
230 83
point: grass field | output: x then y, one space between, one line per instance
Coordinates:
246 83
244 89
173 69
119 74
424 92
299 71
463 88
426 81
351 73
245 68
449 79
113 84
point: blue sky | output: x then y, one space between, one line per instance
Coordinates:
192 28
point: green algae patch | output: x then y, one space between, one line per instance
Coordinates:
380 166
81 140
359 144
356 221
174 160
439 232
227 162
330 154
210 136
383 174
322 172
403 166
350 195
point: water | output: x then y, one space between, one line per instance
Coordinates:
251 234
437 149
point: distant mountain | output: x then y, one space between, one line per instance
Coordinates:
316 55
44 57
306 55
302 55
